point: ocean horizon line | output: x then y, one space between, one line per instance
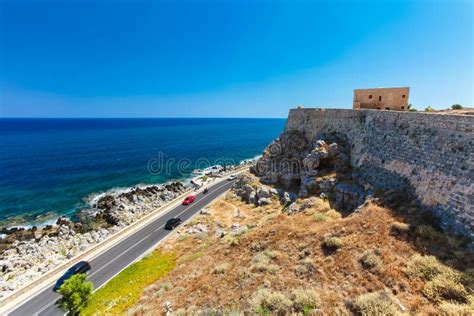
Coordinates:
140 118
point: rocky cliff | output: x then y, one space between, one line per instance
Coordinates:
428 156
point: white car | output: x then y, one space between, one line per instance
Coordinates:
232 177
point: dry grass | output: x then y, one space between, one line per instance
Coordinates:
260 270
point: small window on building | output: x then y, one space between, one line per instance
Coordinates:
387 109
380 98
370 96
403 108
404 96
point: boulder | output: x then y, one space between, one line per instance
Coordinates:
285 198
293 208
196 229
263 192
106 202
264 201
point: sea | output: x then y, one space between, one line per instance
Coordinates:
55 167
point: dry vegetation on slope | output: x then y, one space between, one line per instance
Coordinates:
241 258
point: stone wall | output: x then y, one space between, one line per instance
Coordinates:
429 153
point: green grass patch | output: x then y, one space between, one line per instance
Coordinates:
125 289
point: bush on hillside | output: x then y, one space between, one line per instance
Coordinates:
445 288
425 267
374 304
305 300
221 268
265 301
454 309
400 228
370 260
332 243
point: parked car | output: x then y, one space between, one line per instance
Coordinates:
173 223
80 267
189 199
232 177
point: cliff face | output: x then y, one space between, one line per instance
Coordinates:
428 155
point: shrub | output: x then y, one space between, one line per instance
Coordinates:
333 214
400 228
221 268
453 309
264 301
305 266
76 293
262 261
332 243
371 260
266 267
426 267
163 289
374 304
318 217
429 109
305 300
445 288
232 240
456 107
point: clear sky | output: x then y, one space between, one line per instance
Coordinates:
228 58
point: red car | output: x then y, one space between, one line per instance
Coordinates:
188 200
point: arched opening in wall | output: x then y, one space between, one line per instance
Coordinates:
380 98
387 109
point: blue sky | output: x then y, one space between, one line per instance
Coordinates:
228 58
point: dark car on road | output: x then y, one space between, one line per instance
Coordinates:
80 267
173 223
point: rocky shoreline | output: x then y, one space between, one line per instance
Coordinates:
27 253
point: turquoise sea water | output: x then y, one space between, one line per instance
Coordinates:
51 167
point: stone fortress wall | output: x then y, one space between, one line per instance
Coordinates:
431 154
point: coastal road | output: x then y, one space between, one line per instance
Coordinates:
106 265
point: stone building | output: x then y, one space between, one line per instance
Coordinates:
382 98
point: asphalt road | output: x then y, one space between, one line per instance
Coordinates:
108 264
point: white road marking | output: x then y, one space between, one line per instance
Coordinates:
135 244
